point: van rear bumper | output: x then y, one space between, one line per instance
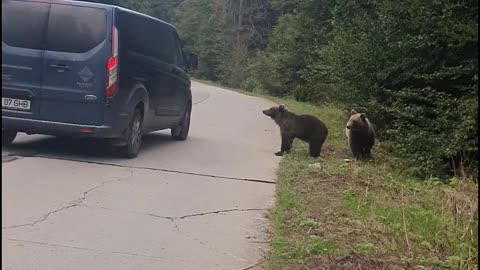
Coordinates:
34 126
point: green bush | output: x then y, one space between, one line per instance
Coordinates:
410 65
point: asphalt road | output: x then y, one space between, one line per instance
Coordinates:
197 204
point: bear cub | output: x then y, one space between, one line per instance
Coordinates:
360 135
307 128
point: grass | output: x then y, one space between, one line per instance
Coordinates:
366 215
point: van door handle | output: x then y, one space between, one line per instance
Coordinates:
60 66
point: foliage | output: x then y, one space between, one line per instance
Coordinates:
413 66
226 34
410 65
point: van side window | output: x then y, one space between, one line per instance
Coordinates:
178 57
23 24
145 37
75 29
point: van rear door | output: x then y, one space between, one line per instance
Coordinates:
75 68
23 29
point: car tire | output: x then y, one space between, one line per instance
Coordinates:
8 136
180 133
133 135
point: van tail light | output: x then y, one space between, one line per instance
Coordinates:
112 66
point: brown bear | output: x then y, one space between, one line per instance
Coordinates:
307 128
360 135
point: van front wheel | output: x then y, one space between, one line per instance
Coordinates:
8 136
133 136
180 132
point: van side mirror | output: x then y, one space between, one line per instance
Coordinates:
192 61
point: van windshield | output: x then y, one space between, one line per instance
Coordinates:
71 29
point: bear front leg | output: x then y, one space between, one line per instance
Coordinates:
286 144
314 148
356 149
367 153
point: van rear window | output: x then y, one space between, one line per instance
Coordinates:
23 24
75 29
71 29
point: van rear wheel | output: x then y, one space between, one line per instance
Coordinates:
133 136
180 132
8 136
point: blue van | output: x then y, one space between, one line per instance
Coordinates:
72 68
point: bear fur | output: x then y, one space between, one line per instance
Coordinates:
360 135
307 128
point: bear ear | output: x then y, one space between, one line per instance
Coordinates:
363 116
352 112
281 108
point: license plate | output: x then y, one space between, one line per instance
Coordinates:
16 104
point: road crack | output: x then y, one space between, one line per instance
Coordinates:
221 212
72 204
42 219
263 181
169 218
173 219
88 249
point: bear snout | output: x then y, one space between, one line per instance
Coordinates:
349 127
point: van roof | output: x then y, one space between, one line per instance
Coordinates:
141 14
93 4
